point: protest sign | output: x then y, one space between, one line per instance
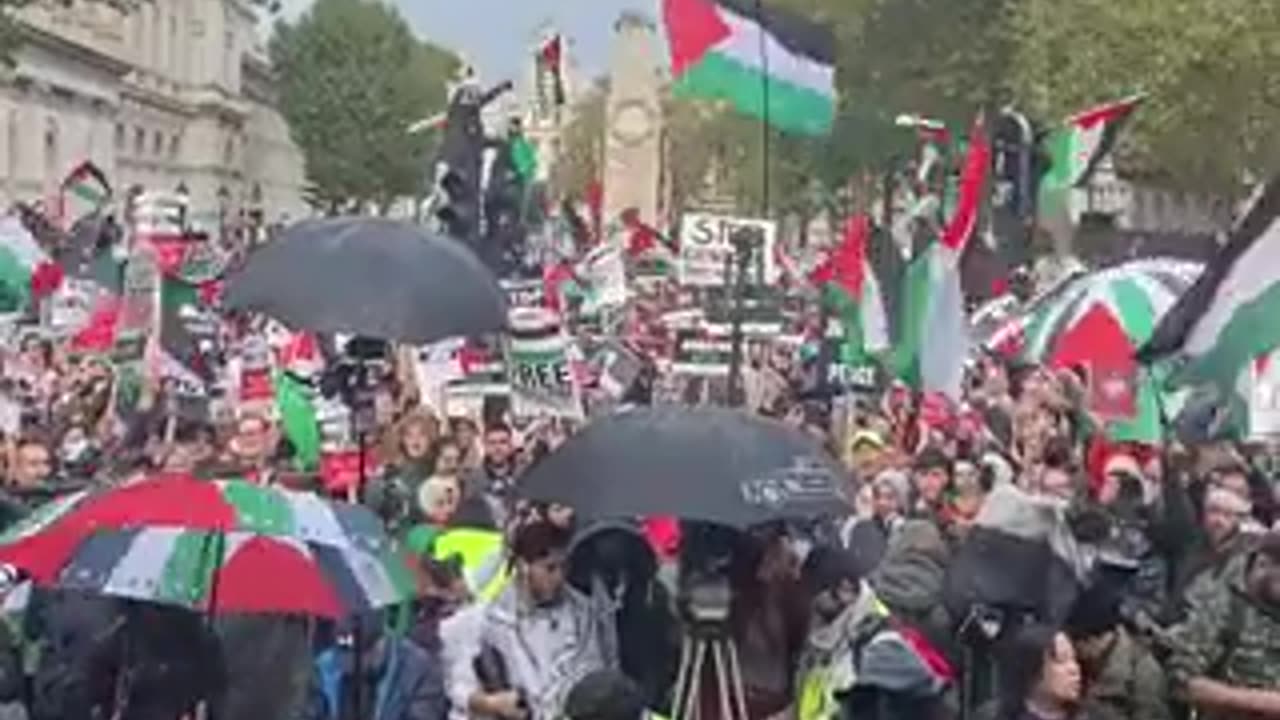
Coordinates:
605 272
761 311
538 367
702 353
70 306
618 368
524 293
137 321
707 249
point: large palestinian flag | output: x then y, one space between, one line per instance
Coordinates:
1227 318
772 65
851 290
933 336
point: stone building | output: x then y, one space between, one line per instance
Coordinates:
175 95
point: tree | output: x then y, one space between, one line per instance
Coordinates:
352 78
1208 66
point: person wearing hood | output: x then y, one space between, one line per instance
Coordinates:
842 608
868 538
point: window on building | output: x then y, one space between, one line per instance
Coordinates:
229 152
120 137
157 143
139 141
175 146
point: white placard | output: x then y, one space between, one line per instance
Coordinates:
706 245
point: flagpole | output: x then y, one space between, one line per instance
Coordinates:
744 245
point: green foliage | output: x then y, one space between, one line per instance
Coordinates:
352 78
1209 67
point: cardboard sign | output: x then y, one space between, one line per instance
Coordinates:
707 250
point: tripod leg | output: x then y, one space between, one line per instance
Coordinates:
692 700
735 677
722 680
683 681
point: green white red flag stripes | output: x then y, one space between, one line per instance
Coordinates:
1227 319
768 64
852 291
933 338
26 270
84 190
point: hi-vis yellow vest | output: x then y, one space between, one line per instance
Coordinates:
484 559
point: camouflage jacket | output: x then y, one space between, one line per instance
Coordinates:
1226 636
1129 685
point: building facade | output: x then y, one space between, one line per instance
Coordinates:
174 95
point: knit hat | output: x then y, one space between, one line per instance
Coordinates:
826 567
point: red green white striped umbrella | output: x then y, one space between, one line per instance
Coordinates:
183 501
233 572
224 546
1135 293
214 572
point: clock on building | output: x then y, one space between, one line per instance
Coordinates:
634 121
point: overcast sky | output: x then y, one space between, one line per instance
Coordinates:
495 35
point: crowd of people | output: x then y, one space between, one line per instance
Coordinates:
586 622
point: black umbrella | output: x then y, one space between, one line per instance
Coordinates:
712 464
370 277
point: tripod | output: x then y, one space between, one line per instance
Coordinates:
702 640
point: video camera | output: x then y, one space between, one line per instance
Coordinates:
704 596
354 374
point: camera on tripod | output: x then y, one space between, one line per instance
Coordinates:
705 592
354 375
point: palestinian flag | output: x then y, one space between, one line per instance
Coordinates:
295 404
768 64
933 339
524 158
84 191
550 69
27 272
851 291
188 337
645 244
1227 318
1075 150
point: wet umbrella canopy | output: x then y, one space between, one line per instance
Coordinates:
371 277
712 464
